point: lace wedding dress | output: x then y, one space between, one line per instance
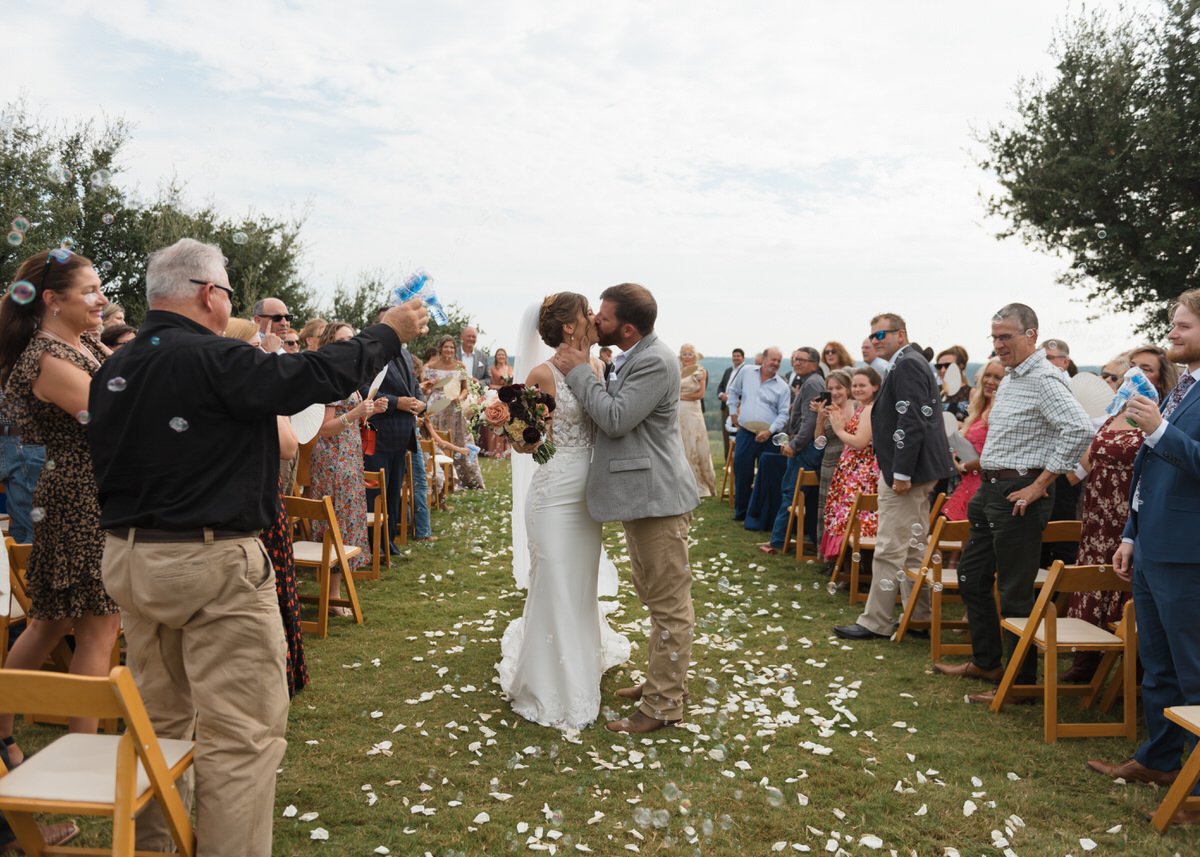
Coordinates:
552 657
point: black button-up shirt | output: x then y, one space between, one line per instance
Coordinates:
183 430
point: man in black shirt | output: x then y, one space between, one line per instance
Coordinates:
185 443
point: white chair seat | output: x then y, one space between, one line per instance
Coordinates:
79 768
1071 632
949 576
310 552
443 459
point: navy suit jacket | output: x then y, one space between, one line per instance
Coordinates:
1170 495
395 429
925 453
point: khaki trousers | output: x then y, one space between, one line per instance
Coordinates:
206 648
658 553
899 515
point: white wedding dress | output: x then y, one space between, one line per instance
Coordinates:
553 656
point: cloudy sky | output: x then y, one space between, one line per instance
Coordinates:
775 172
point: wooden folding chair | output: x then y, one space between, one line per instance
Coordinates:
1179 796
727 474
854 544
1054 635
323 556
942 584
796 519
377 523
1056 531
935 508
12 612
304 468
105 775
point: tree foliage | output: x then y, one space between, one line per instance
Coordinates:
1102 164
63 185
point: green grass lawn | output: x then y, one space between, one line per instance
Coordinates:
794 741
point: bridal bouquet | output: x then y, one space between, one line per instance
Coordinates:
517 411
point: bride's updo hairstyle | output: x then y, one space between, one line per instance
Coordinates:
557 310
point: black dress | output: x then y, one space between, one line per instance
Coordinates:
278 542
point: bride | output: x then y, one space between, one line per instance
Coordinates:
553 656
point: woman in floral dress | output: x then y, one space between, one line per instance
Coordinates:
449 420
857 471
337 468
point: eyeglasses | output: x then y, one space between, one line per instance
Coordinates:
1008 337
881 335
286 316
1109 376
291 343
803 360
942 367
225 289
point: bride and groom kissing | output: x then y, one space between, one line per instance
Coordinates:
619 458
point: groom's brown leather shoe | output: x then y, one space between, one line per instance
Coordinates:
634 693
638 724
1131 770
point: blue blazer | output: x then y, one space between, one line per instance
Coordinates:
925 453
397 430
1166 524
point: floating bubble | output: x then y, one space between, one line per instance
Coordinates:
59 174
887 584
674 656
723 584
21 224
84 417
914 543
718 753
938 587
774 797
37 514
1022 471
105 267
707 827
936 559
856 557
926 411
107 219
240 238
902 407
100 179
671 792
900 575
154 340
898 435
685 805
61 254
556 817
50 465
1101 234
899 444
91 299
917 529
725 820
831 588
23 291
117 384
641 817
1051 344
660 818
664 634
179 424
711 685
15 238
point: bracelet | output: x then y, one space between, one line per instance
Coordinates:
345 423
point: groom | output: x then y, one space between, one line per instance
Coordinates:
640 477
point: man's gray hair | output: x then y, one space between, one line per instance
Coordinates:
813 354
1023 315
258 306
1058 345
168 270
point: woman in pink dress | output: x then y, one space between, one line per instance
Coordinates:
857 471
974 429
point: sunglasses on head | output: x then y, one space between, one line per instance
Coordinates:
881 335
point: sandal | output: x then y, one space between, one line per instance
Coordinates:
344 612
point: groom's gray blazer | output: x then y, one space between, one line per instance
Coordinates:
639 469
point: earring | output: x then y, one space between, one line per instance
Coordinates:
55 312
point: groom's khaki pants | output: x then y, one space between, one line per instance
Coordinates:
658 552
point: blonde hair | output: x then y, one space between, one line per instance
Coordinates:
241 328
977 406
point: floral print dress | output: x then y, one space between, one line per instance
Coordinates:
857 473
337 471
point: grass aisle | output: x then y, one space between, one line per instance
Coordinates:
795 741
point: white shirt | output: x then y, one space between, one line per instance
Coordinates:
468 360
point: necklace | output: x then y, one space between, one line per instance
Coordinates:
50 333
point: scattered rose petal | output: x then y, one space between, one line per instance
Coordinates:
482 818
319 833
289 812
1087 844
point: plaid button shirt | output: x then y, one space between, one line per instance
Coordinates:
1035 421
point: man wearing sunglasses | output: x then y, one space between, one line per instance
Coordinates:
274 321
910 443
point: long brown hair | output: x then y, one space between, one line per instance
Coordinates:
22 307
331 331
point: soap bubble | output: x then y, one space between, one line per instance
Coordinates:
154 340
116 384
707 827
105 266
84 417
1022 471
37 514
664 635
938 587
67 243
914 543
15 238
936 558
59 174
774 797
711 685
107 219
641 817
902 407
660 818
926 411
856 557
240 238
898 435
831 588
671 792
725 820
887 584
718 753
23 291
899 444
1051 344
50 465
179 424
20 224
100 179
917 529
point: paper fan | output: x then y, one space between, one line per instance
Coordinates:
950 423
1093 393
377 382
953 379
307 423
438 406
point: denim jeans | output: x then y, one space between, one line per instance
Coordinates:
420 498
20 468
808 458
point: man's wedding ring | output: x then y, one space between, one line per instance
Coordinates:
1020 502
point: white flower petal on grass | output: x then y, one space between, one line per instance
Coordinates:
382 849
312 741
579 846
500 795
319 833
310 816
779 846
1087 844
871 841
922 811
596 817
1012 776
1116 829
969 808
290 812
482 818
976 782
375 715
